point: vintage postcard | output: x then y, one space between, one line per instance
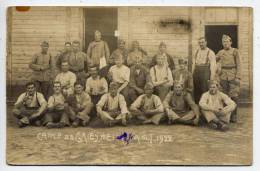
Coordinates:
129 85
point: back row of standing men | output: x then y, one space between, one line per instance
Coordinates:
131 72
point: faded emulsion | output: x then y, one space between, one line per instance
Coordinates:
176 22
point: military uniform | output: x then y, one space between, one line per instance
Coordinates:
230 73
168 60
43 67
67 80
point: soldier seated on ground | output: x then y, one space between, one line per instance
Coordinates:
148 107
79 106
180 107
111 108
216 107
56 117
30 107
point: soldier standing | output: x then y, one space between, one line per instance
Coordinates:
230 72
204 68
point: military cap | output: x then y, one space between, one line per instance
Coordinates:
162 44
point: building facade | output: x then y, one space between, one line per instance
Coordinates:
178 27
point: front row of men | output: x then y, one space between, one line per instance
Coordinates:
77 108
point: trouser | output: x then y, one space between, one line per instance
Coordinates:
44 87
201 76
213 116
74 114
81 77
23 113
232 89
56 116
132 95
186 117
155 118
125 93
116 115
162 91
95 99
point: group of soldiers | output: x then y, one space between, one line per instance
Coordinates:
123 88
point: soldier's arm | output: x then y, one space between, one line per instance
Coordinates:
230 104
107 51
167 100
190 86
87 104
238 64
33 64
101 103
194 107
213 65
203 103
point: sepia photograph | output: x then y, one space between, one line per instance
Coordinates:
129 85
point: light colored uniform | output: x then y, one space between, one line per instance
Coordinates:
143 103
159 74
67 80
216 101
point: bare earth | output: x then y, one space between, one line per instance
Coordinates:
151 145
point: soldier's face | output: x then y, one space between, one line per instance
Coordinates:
226 44
113 91
159 60
57 88
94 74
78 89
178 89
68 47
202 43
162 48
97 36
30 89
64 67
121 45
119 61
148 91
135 45
138 62
44 49
182 66
213 89
75 47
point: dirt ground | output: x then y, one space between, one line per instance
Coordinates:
151 145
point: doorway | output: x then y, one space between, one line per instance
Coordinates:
213 34
102 19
